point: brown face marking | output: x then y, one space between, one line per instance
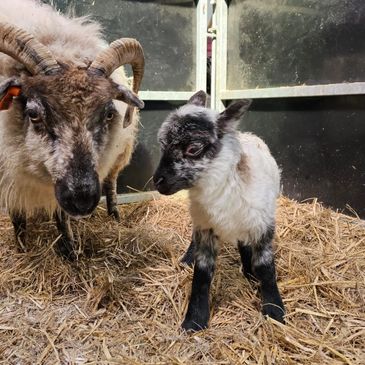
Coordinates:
243 168
68 119
75 102
74 94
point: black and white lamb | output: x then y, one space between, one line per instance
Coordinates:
233 184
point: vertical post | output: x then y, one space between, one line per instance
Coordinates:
219 56
212 33
201 44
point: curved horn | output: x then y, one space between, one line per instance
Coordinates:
23 47
121 52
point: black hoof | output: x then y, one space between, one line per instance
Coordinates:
187 259
274 311
196 322
114 212
190 325
65 249
248 274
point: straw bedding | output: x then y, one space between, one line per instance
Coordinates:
123 301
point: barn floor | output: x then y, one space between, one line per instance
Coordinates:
122 302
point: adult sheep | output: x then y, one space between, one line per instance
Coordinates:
67 128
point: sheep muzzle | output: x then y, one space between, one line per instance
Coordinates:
80 198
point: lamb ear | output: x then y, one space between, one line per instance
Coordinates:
199 98
8 90
229 118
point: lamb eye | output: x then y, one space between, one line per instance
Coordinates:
193 150
34 116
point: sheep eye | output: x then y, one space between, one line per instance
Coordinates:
110 115
34 116
193 150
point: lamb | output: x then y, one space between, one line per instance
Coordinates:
70 119
233 184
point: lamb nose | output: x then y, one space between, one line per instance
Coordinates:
159 181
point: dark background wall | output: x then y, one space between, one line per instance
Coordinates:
320 145
295 42
165 28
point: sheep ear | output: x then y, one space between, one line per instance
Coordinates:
199 98
8 90
229 118
129 97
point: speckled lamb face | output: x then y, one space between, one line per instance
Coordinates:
190 138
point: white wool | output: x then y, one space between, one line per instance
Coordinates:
123 139
76 39
196 111
70 40
238 205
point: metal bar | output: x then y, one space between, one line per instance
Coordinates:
221 15
212 31
135 197
353 88
201 44
165 95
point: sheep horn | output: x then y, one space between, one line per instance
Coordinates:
121 52
23 47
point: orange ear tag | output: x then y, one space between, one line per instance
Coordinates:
6 100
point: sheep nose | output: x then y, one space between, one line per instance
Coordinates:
79 199
86 201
